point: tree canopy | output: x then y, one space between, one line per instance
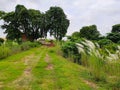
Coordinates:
114 37
90 32
34 24
116 28
57 22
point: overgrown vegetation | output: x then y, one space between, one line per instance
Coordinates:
102 62
11 47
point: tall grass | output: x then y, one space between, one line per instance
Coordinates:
4 51
102 67
11 47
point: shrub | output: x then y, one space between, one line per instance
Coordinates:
70 51
4 51
15 49
111 47
34 44
12 47
1 41
27 45
104 42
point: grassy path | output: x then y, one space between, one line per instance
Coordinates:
41 69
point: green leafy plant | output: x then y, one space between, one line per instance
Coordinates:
4 51
70 51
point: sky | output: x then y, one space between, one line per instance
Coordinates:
103 13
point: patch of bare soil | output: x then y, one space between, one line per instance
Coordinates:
91 84
27 71
1 84
47 58
49 66
23 82
27 59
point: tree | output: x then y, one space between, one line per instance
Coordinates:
114 37
22 21
34 23
11 26
1 13
116 28
104 42
75 36
44 26
90 32
57 22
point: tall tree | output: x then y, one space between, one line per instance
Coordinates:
1 13
75 36
34 23
11 26
114 37
22 21
90 32
116 28
57 22
44 25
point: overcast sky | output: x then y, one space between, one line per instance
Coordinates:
103 13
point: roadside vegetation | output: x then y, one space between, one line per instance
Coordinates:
10 47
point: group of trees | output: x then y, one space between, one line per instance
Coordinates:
88 32
114 36
34 24
91 33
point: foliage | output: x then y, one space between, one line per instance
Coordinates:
4 52
114 37
100 65
104 42
34 24
1 40
57 22
90 32
75 36
28 23
11 47
70 50
116 28
1 13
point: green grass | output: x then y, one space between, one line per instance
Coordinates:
65 75
13 66
48 71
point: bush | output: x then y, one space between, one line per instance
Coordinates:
11 47
27 45
4 51
70 51
1 41
104 42
111 47
34 44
